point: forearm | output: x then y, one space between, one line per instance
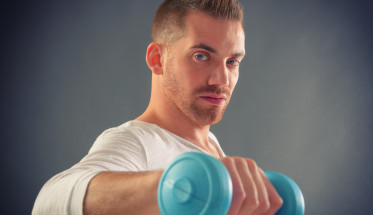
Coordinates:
122 193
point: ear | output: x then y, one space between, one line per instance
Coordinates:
153 58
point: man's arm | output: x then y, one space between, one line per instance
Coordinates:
136 193
122 193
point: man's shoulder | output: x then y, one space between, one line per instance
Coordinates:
134 132
131 134
132 128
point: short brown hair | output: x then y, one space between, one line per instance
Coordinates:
168 24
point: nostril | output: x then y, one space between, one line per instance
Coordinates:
220 77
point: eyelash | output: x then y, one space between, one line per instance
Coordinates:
201 55
235 62
232 62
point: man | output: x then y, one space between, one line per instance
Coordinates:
194 57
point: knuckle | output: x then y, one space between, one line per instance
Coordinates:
239 161
263 206
227 161
251 164
277 203
252 203
240 195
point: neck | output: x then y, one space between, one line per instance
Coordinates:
179 125
170 118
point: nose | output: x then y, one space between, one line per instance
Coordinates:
219 76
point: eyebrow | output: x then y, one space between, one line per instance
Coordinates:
204 46
212 50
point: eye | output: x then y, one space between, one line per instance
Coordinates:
233 62
201 57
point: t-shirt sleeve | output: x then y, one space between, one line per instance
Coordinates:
114 150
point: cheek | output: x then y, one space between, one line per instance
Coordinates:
191 75
187 78
193 81
233 80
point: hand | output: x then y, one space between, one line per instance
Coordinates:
253 193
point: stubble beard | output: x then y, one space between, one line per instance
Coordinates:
188 105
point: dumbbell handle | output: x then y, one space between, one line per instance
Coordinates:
196 183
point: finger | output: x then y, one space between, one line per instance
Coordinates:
275 200
238 188
251 200
263 204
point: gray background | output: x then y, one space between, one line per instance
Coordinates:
302 106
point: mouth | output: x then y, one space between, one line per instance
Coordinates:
214 99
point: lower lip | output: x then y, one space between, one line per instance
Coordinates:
214 101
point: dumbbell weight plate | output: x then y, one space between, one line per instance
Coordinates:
195 184
289 192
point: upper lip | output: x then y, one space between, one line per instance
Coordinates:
214 96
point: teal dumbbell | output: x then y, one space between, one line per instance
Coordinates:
197 183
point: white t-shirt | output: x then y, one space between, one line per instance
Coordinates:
132 146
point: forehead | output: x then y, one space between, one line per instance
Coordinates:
221 34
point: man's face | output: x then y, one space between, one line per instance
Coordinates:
201 68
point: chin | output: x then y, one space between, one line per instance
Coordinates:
209 117
217 120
